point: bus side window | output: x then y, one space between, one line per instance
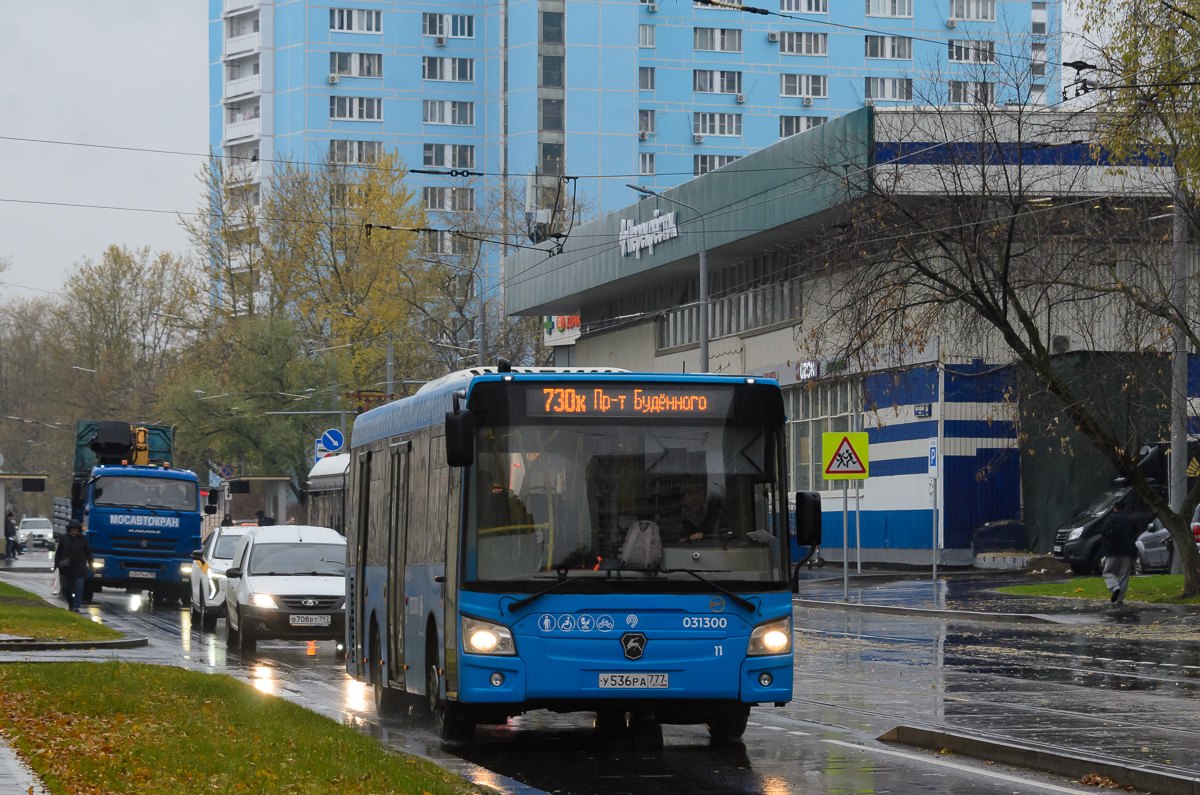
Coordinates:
418 498
439 482
377 509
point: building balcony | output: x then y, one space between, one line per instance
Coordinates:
243 85
241 172
243 128
240 6
242 44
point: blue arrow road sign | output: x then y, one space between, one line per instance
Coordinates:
332 440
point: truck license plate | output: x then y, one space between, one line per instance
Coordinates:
310 621
632 681
145 575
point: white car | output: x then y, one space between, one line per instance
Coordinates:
208 575
287 581
35 533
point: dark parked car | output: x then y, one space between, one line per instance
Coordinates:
1077 542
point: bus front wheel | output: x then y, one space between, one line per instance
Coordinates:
451 720
729 724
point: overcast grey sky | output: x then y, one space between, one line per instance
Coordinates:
121 72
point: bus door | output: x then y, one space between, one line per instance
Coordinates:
415 601
361 528
396 558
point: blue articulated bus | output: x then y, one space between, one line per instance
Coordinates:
575 540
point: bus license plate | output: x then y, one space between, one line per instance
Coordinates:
632 681
147 575
310 621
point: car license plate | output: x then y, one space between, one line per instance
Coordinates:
310 621
145 575
1058 547
632 681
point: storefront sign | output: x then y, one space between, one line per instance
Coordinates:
560 330
635 237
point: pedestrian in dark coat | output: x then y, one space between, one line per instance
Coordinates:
10 537
73 559
1119 547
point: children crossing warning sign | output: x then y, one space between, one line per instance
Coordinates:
844 456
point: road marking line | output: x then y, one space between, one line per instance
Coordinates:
774 728
801 734
964 768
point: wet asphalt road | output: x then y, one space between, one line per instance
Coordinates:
1115 687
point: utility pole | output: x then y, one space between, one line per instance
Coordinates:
1177 462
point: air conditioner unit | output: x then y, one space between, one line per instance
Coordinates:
741 98
773 35
652 8
869 103
698 139
808 102
952 23
333 80
643 135
439 41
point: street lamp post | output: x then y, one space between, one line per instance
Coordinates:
703 271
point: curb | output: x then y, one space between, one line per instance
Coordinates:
50 645
27 570
971 615
1075 766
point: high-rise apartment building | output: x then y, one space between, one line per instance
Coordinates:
613 92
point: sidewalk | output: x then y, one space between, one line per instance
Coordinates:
15 777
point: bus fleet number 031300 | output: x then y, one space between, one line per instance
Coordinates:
705 622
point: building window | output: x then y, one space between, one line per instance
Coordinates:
355 64
645 121
894 47
454 200
552 115
552 71
889 8
889 89
552 27
827 408
794 125
718 39
707 81
805 6
963 92
980 51
794 43
645 35
456 26
356 108
1037 95
444 241
977 10
646 78
436 111
354 152
1040 19
456 70
702 164
552 158
717 123
645 164
352 20
1037 64
450 155
803 86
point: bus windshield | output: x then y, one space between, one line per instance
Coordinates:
626 502
142 492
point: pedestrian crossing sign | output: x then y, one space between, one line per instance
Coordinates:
844 456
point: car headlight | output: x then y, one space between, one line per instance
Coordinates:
1074 534
773 637
263 600
97 563
485 637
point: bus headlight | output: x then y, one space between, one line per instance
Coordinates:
485 637
773 637
263 600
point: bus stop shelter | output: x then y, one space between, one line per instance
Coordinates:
275 488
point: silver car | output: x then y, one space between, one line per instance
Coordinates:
35 533
208 575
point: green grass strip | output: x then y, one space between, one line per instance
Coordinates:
27 615
131 728
1156 588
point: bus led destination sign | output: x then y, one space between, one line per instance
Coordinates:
625 401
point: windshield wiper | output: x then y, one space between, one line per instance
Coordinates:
746 603
562 580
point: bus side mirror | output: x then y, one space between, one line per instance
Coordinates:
460 438
808 518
